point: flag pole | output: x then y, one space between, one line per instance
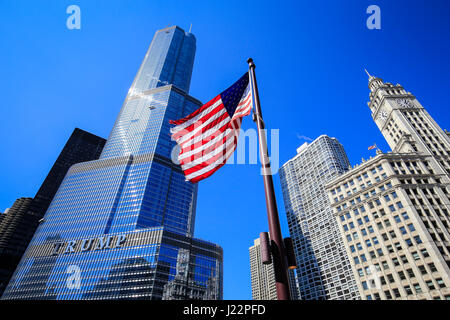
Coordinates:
276 239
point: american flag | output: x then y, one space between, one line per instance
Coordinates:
208 136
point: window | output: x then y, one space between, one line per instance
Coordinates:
385 265
410 273
396 293
352 248
409 242
356 259
405 216
399 205
360 272
430 285
422 270
411 227
375 240
432 267
360 221
366 218
417 288
368 243
397 219
408 290
349 237
415 255
403 230
392 208
440 283
363 258
370 228
425 253
390 278
364 284
417 239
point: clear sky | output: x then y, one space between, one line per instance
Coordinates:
310 58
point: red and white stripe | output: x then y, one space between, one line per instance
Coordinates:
208 137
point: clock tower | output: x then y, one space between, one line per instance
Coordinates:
405 124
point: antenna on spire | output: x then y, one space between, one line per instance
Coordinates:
190 28
367 73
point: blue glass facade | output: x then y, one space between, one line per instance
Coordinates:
121 221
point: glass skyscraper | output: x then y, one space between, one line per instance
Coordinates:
22 220
324 270
119 227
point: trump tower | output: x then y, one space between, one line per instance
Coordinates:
122 226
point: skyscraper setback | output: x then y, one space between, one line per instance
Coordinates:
324 270
127 220
22 219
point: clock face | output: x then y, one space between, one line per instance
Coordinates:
405 103
383 115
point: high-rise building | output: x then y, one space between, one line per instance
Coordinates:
116 226
393 210
80 147
22 219
263 277
323 269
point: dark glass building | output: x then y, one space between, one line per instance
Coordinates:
117 225
19 224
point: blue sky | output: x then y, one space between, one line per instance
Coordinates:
309 57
